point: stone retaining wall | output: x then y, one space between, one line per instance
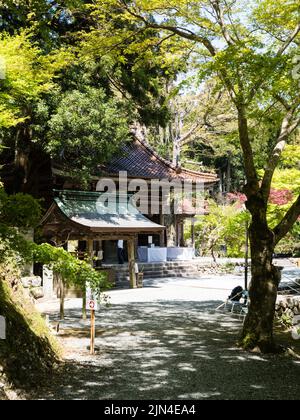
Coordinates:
288 305
33 286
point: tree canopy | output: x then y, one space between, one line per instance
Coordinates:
250 52
91 69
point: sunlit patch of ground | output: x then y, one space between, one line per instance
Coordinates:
167 342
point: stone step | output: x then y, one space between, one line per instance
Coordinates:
180 269
165 270
160 275
151 266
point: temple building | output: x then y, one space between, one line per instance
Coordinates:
75 216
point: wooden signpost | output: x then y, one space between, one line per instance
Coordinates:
92 306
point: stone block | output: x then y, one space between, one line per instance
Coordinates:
31 281
37 292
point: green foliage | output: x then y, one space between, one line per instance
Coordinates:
18 213
76 107
87 128
286 320
225 225
46 19
139 63
72 270
291 157
28 75
277 16
287 178
21 212
290 245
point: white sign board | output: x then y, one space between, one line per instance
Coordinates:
92 305
91 300
48 287
2 328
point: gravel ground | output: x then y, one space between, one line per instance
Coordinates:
166 341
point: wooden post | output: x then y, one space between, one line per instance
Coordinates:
90 249
181 234
62 298
101 250
93 332
162 234
193 232
131 258
177 239
84 314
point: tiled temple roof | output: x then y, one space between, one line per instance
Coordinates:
139 160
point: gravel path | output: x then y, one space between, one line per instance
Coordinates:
166 341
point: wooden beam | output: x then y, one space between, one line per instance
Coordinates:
132 262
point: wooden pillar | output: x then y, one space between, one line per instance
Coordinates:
171 233
90 249
193 232
177 232
84 314
181 230
62 297
132 261
93 332
101 250
162 234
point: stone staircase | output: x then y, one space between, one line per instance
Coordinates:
182 269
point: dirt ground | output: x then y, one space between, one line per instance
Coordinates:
167 341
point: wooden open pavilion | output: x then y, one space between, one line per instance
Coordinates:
80 216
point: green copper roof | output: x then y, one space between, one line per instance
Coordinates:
100 211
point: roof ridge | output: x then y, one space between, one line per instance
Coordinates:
178 170
150 149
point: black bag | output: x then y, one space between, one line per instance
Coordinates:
236 294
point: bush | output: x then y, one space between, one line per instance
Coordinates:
224 228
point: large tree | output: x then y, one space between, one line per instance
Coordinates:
51 89
250 47
29 75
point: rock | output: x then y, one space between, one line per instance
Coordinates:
31 281
296 311
37 292
26 282
289 313
36 281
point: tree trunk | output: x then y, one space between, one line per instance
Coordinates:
228 174
258 328
176 152
22 161
62 299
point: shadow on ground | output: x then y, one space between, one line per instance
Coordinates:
168 350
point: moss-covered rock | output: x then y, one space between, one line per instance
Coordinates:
29 353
